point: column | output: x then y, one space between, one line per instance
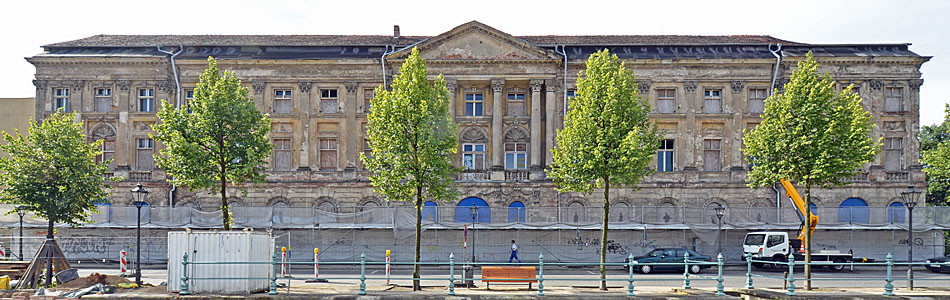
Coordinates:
550 106
304 109
452 85
497 150
350 134
123 132
535 85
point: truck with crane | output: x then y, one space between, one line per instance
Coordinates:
776 245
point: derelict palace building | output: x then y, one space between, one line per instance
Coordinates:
508 97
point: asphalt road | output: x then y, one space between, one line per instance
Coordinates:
733 277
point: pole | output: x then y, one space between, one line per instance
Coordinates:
283 258
21 236
910 247
719 234
138 247
316 263
451 257
474 235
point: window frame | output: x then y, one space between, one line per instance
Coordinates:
148 99
516 155
899 97
718 150
754 97
367 105
288 142
281 96
474 153
671 98
662 152
61 94
477 103
328 95
514 97
708 96
149 144
97 96
326 148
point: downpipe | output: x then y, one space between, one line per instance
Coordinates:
778 61
171 192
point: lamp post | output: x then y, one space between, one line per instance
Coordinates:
138 194
909 198
474 211
720 211
21 211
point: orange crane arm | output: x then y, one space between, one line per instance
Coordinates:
800 205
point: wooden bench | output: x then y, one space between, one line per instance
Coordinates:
505 275
14 269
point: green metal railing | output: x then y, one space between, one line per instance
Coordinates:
631 265
789 278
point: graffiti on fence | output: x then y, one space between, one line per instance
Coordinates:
645 244
826 246
583 242
614 247
84 245
917 242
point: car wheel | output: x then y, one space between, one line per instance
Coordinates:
695 269
781 259
933 270
837 268
646 269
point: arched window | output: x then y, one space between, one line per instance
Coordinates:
709 213
895 213
463 212
430 211
516 212
326 204
576 212
854 210
620 212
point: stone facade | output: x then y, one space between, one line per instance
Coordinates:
509 95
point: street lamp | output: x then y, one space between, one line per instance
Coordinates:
138 194
474 211
909 198
21 211
720 211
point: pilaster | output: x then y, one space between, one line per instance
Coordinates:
351 141
497 163
535 149
551 87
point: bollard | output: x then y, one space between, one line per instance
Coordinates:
791 276
363 273
630 279
719 287
283 259
387 265
451 272
184 275
123 263
888 285
541 274
686 271
316 263
748 272
273 278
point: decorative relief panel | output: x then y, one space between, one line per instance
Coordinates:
643 85
915 84
351 86
894 125
737 86
304 86
142 126
259 87
689 86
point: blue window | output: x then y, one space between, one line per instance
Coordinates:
664 156
473 156
516 156
430 211
146 100
895 213
62 99
463 212
474 104
516 212
854 210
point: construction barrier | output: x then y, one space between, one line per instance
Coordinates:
283 260
316 262
123 263
387 266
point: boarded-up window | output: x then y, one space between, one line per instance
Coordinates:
893 101
757 100
103 99
665 101
711 157
283 101
328 154
368 95
282 154
143 154
893 153
712 102
328 101
515 104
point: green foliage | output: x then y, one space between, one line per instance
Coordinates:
608 137
935 157
607 134
414 141
413 137
52 172
809 134
222 140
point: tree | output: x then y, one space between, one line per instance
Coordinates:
933 156
413 141
608 137
220 139
812 136
53 173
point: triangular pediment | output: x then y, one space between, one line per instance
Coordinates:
476 41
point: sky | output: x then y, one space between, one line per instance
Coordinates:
27 25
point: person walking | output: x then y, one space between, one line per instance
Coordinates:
514 252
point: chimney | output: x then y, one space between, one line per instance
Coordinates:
395 31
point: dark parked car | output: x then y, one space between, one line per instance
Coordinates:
939 264
668 255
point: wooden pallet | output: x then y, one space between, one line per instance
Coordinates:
14 269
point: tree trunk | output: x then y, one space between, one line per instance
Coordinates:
49 258
603 236
415 267
225 212
807 240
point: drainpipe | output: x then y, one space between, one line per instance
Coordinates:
564 86
778 61
171 192
382 61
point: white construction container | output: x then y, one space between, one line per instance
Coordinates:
220 246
